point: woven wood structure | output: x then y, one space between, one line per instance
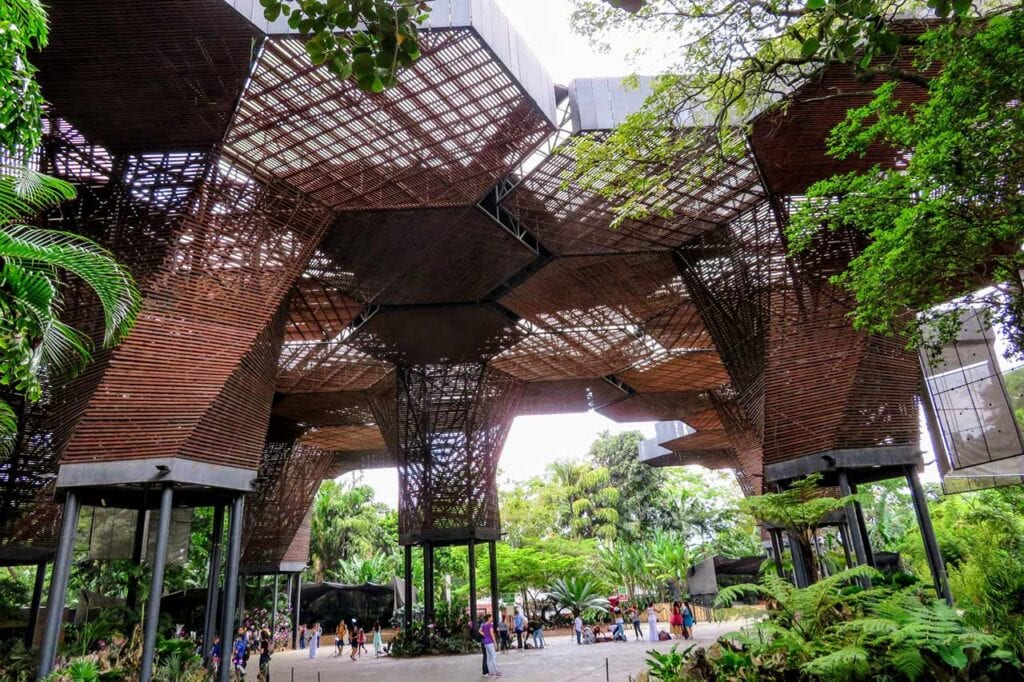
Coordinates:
447 423
380 280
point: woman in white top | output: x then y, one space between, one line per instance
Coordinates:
652 622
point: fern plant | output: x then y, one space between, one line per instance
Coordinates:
836 630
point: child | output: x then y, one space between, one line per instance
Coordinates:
239 653
215 654
378 642
362 642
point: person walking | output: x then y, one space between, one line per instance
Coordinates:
652 623
476 634
578 626
362 642
688 620
353 641
239 654
339 638
378 641
537 631
519 623
635 615
314 639
487 631
503 639
265 651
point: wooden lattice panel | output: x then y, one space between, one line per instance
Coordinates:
447 425
679 329
231 261
696 370
563 397
570 219
327 366
632 288
275 528
340 408
340 438
455 124
828 386
318 312
157 76
416 257
586 352
644 407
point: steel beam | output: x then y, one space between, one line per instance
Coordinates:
931 544
227 630
213 580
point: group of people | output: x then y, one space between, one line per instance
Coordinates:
246 642
492 636
681 623
682 619
354 635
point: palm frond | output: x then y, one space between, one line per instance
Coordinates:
850 662
29 192
96 266
8 428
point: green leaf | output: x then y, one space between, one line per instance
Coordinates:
815 4
809 47
954 656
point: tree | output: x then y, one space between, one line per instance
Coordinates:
347 525
639 485
585 499
34 261
578 594
799 509
366 39
947 226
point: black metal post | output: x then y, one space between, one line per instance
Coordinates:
273 609
242 594
801 575
131 601
428 583
156 587
472 580
227 629
776 538
37 600
59 584
213 579
407 615
862 528
931 544
856 539
844 538
495 599
298 610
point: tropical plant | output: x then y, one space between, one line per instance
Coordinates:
378 568
800 509
833 630
346 524
32 260
668 665
24 29
370 41
585 499
578 594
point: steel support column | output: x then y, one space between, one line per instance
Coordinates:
801 574
776 539
131 601
862 528
852 520
297 601
472 580
931 544
273 608
844 538
492 547
428 583
37 600
407 613
213 580
59 584
156 586
227 628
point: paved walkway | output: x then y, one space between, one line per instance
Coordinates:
561 661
